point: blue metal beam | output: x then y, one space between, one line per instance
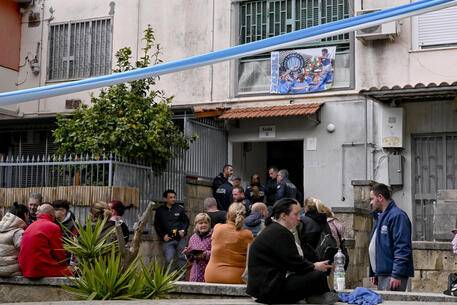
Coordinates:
257 47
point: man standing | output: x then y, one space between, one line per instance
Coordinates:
222 178
223 195
42 253
271 186
390 250
171 225
35 199
285 188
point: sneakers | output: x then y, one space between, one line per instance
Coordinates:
325 298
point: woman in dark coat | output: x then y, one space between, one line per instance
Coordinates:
277 271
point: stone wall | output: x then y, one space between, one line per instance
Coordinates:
358 225
433 261
197 189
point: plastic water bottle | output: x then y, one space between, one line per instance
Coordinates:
339 275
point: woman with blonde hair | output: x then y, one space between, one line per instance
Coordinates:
336 226
198 251
313 223
229 248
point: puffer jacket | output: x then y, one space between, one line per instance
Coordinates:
11 229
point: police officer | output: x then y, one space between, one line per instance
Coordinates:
171 223
222 178
271 185
285 188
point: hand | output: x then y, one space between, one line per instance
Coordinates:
322 266
394 283
185 250
166 238
373 280
181 233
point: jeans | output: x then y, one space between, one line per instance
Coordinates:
384 283
174 248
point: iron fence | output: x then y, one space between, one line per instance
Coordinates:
205 157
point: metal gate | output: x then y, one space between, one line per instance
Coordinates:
208 154
434 168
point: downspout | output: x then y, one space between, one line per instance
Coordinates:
138 29
211 67
366 137
41 51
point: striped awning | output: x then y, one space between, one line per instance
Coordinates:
270 112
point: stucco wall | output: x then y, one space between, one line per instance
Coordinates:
10 34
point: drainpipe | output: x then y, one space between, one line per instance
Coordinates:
366 137
211 67
41 51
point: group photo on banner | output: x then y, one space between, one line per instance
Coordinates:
302 71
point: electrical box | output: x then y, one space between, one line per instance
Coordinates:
392 127
395 169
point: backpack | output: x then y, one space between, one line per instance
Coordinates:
326 248
451 285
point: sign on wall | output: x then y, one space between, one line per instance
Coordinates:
302 71
267 132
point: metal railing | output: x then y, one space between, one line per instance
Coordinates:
110 171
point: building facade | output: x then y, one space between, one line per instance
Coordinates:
389 117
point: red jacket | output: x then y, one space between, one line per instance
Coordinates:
42 253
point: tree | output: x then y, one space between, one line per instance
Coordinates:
131 120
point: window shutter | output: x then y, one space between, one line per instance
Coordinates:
437 28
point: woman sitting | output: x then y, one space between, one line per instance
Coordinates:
277 270
12 227
228 248
198 251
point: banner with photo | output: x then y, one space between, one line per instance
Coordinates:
302 71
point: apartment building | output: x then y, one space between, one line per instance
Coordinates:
390 115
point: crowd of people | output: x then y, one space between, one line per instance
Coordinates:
32 234
267 236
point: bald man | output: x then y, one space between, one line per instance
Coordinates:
42 253
255 222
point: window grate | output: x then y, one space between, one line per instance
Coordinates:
260 19
80 49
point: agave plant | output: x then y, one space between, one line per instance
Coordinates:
158 280
106 279
94 241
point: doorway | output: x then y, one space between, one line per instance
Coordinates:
255 157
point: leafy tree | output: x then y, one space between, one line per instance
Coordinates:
131 120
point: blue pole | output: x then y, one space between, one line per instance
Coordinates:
257 47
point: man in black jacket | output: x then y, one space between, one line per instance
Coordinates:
171 224
271 186
285 188
222 178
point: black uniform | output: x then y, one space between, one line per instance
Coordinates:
217 182
286 189
223 196
170 221
270 190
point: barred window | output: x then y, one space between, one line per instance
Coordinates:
79 49
261 19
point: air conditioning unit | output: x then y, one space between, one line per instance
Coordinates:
387 30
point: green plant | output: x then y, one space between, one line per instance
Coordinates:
94 241
158 280
105 279
131 120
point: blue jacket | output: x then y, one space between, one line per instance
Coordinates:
394 254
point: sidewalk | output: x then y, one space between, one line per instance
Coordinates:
192 302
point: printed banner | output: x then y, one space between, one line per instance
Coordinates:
302 71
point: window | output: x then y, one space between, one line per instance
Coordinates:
436 29
79 49
259 19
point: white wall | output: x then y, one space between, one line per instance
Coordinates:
322 167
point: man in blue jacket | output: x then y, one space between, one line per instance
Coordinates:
390 250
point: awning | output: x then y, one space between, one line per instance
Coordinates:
271 111
409 93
